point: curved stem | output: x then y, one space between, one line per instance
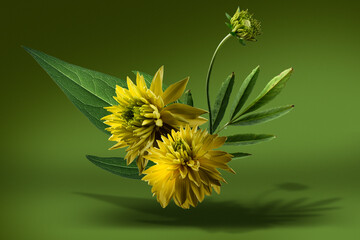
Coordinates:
208 79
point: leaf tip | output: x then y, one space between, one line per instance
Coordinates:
29 50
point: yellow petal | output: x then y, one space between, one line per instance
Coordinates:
156 84
197 121
171 120
141 163
185 113
132 88
174 91
140 82
118 145
185 110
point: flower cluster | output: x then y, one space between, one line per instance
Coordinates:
144 115
154 127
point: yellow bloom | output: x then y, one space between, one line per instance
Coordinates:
144 114
186 166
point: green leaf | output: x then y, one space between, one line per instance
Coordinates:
228 25
249 138
88 90
244 92
264 116
238 155
228 16
116 165
188 98
272 89
242 42
222 100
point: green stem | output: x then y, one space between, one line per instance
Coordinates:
222 128
208 80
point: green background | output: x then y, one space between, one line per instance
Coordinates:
303 185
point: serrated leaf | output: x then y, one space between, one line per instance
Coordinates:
244 92
238 155
222 100
188 98
88 90
272 89
264 116
117 165
249 138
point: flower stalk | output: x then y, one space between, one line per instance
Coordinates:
208 80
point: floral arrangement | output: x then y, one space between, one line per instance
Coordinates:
165 145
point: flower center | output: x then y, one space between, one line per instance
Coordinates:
139 114
128 114
184 152
179 145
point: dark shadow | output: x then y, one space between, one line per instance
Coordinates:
211 215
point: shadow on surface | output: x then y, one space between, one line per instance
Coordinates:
228 216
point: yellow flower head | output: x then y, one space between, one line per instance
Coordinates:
186 166
144 114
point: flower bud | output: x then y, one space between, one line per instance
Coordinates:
244 26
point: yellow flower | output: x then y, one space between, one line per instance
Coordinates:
186 166
144 114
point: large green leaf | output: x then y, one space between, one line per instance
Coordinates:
188 98
238 155
264 116
248 138
272 89
88 90
116 165
244 92
222 100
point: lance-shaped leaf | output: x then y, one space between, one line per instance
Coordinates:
244 92
88 90
188 98
239 155
228 16
249 138
116 165
222 100
264 116
272 89
228 25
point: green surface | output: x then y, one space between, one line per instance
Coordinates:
302 185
